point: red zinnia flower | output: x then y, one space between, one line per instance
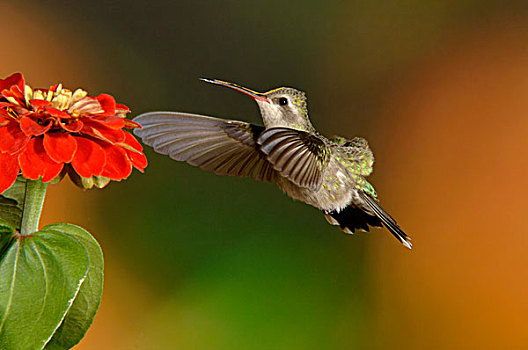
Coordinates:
46 133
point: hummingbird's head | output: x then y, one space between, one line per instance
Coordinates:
281 107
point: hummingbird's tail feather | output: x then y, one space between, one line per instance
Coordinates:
386 219
351 219
354 218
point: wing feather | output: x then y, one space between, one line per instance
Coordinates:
296 155
224 147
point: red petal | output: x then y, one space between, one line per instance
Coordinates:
39 103
101 131
117 166
8 171
5 104
52 172
35 163
5 118
57 113
86 105
89 159
60 146
130 124
138 159
108 104
71 125
111 121
122 108
54 87
12 139
21 111
16 94
14 79
31 128
132 142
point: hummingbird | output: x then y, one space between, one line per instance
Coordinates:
327 173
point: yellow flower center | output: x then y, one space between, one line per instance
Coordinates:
61 98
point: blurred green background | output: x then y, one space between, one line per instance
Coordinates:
198 261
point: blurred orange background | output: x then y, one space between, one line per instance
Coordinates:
196 261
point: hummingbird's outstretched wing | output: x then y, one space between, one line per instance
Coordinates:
299 156
225 147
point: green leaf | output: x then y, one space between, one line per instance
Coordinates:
12 203
6 236
16 192
40 276
6 229
10 215
81 314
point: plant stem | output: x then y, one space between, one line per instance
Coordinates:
33 202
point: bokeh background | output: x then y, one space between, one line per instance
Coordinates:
197 261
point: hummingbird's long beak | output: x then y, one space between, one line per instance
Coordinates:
253 94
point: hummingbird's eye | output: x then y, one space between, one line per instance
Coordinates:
283 101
